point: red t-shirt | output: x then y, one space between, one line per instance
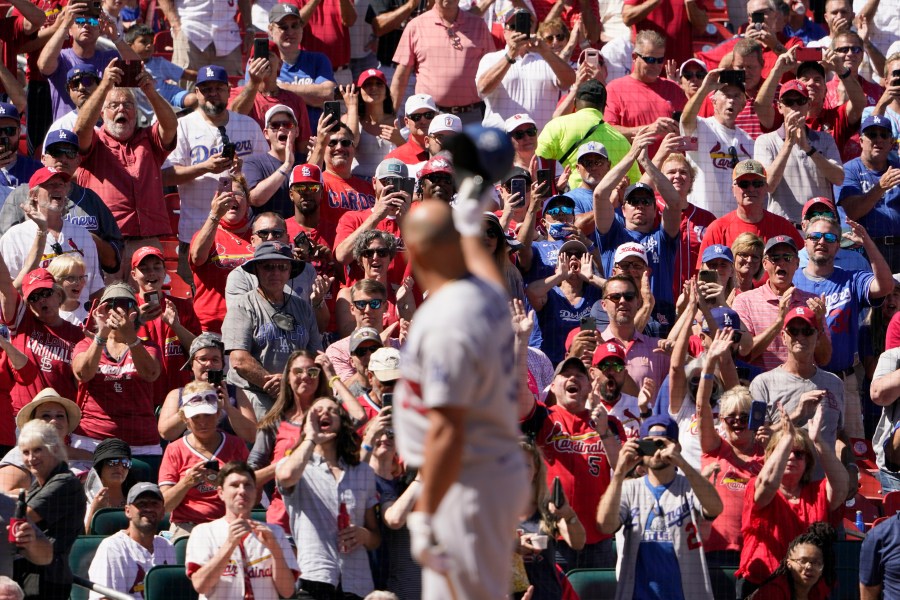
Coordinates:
768 531
9 377
117 402
670 19
50 349
128 178
229 251
835 122
51 9
349 223
173 354
201 504
343 196
263 102
633 103
731 482
13 36
726 229
410 153
694 221
892 338
714 56
322 236
286 438
326 33
780 589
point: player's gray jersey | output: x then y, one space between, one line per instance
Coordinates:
459 353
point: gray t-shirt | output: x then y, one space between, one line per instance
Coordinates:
249 326
778 385
888 362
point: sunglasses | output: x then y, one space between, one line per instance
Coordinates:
373 304
518 135
209 397
878 135
313 372
555 37
119 462
615 296
74 278
693 74
798 101
800 331
122 303
821 213
775 258
281 267
63 152
360 352
741 419
345 143
419 116
89 21
756 184
640 201
491 233
9 131
798 454
86 81
281 125
611 365
306 187
818 235
40 295
651 60
560 210
269 233
371 253
849 50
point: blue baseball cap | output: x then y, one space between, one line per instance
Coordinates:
657 422
876 121
82 70
724 317
8 111
60 136
211 73
718 251
558 199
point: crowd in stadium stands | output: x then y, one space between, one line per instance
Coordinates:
205 292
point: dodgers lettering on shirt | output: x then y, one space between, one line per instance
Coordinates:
279 340
557 318
201 153
543 262
660 249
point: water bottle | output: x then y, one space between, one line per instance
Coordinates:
18 517
860 523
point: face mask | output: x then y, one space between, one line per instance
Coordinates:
558 231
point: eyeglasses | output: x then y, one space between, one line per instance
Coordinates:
748 257
798 454
820 213
371 253
849 50
345 143
591 163
777 258
439 178
611 365
74 278
360 352
555 37
117 105
281 125
269 233
312 372
693 74
800 331
560 210
281 267
519 134
615 296
374 304
86 81
455 41
9 131
306 187
879 134
87 21
756 184
797 101
631 266
119 462
651 60
640 201
419 116
123 303
805 562
741 419
63 152
815 236
40 295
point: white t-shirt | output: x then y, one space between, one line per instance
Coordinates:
714 162
121 563
529 86
629 415
251 560
197 140
17 241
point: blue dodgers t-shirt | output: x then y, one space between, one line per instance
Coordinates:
846 292
311 67
884 218
584 200
879 557
656 572
557 318
660 255
543 261
167 76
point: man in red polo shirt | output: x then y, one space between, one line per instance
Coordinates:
420 110
122 161
675 20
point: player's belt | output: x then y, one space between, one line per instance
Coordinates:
888 240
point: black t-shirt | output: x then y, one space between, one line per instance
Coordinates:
61 503
387 43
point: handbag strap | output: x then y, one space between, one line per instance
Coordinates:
572 148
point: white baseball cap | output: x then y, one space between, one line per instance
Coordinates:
280 108
592 148
630 249
696 61
443 123
517 121
418 102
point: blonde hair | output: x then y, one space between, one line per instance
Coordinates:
747 243
801 438
737 398
65 264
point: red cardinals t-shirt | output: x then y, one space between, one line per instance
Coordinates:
173 354
343 196
229 251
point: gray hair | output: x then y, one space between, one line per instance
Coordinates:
45 434
367 237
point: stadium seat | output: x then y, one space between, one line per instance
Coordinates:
723 581
168 582
593 583
80 558
162 44
890 504
108 521
181 550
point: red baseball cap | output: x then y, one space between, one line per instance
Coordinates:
793 86
38 279
369 74
803 313
143 252
436 164
608 350
45 174
818 200
306 173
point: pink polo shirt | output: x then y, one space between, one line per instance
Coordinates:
640 359
128 178
446 73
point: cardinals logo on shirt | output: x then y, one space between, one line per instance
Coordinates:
726 158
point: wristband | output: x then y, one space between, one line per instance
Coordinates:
135 343
511 61
847 74
811 151
99 340
332 379
367 447
283 173
708 376
214 219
